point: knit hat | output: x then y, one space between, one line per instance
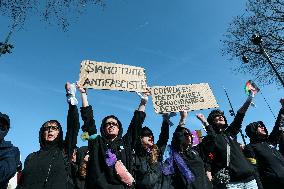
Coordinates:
146 131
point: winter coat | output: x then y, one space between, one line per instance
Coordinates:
214 148
194 163
149 175
99 174
9 161
261 152
9 155
50 166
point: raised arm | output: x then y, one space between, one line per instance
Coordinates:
236 125
206 147
164 134
183 116
277 129
73 124
137 120
87 112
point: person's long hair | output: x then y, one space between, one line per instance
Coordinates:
154 155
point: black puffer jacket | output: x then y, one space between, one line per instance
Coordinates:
50 166
261 152
149 175
99 174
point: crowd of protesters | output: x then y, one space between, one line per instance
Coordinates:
117 160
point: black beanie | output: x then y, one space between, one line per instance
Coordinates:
146 131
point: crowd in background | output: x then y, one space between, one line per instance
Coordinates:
117 159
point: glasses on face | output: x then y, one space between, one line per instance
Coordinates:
111 123
261 126
51 128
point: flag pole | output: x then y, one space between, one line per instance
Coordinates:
232 113
267 104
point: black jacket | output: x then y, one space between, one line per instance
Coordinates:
191 157
214 146
99 174
261 152
9 161
147 175
50 166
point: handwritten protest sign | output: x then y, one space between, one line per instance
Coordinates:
102 75
182 97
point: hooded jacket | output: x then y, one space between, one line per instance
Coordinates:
9 156
214 146
149 175
193 162
261 152
50 166
99 174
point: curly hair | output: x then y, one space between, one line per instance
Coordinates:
154 156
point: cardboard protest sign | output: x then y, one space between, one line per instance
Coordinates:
182 97
102 75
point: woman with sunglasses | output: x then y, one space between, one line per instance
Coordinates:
262 152
110 153
184 167
50 166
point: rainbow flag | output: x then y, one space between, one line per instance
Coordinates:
251 86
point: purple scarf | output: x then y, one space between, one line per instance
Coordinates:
168 167
110 158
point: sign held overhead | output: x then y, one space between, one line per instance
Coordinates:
182 97
102 75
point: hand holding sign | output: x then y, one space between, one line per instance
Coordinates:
102 75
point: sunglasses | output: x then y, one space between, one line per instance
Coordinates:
51 128
111 123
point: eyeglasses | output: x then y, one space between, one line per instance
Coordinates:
259 125
111 123
51 128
